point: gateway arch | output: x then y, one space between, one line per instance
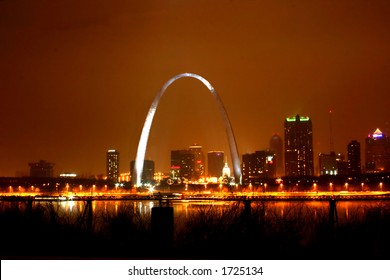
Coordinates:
139 161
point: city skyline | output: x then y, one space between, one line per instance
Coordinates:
77 79
166 169
350 162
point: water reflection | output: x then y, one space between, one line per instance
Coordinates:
184 209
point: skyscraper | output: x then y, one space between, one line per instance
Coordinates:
112 164
182 164
215 163
298 146
257 167
197 151
354 162
377 152
276 146
188 164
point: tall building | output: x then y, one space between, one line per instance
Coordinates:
199 170
331 164
377 152
188 164
41 169
182 164
354 162
257 167
215 163
298 146
112 165
342 164
276 145
147 176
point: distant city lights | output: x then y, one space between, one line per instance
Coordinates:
68 175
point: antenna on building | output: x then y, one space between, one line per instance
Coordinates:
331 146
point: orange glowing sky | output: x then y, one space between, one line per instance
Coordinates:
77 77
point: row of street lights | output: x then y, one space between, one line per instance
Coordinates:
331 187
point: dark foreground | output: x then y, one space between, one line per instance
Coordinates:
257 232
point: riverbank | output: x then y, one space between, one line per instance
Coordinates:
296 230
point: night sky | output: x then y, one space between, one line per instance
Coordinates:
77 77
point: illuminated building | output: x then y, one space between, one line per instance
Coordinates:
215 163
328 164
276 146
226 175
188 164
354 162
147 176
332 164
257 167
112 165
124 177
182 164
298 146
226 171
174 172
41 169
342 164
198 163
377 152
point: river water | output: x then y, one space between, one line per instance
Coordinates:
183 209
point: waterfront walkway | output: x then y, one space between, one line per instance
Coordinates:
271 196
